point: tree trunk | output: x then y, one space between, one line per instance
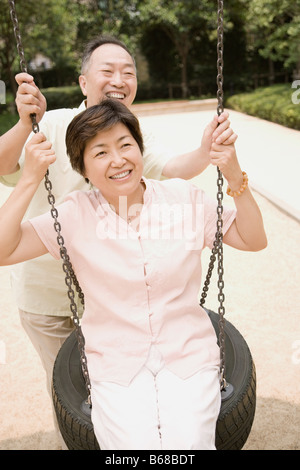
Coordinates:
184 84
296 72
271 72
183 47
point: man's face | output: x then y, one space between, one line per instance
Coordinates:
110 73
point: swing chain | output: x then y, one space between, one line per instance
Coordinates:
70 277
23 65
217 250
220 61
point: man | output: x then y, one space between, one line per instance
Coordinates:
108 71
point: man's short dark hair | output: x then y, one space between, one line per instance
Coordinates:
96 42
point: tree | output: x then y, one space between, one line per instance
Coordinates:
48 27
7 45
112 17
274 30
188 24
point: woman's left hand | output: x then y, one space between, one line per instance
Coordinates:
223 134
39 154
224 156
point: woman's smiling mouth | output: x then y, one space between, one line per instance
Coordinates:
122 175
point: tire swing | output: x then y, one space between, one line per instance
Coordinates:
71 385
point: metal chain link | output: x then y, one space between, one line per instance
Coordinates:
70 277
217 250
23 64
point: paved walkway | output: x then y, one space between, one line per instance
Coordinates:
270 153
262 295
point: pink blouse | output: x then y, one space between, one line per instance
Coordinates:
140 287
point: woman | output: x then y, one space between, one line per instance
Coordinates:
135 246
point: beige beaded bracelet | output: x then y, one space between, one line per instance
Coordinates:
242 188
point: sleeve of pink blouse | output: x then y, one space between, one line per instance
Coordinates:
210 216
44 227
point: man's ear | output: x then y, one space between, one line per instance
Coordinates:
82 83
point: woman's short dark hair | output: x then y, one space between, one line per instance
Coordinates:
96 42
94 119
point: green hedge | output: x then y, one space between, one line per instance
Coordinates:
272 103
7 121
63 97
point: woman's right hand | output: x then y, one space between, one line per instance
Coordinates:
39 154
29 99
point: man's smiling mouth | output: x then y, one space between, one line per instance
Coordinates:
116 95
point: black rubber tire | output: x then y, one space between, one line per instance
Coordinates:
236 414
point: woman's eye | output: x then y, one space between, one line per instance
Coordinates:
100 154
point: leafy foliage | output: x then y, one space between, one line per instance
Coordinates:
178 38
274 26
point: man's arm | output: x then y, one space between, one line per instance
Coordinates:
193 163
29 100
11 145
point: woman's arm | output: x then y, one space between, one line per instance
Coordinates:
19 241
247 231
193 163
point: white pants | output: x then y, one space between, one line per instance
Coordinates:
158 410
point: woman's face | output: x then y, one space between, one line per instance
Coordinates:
113 163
